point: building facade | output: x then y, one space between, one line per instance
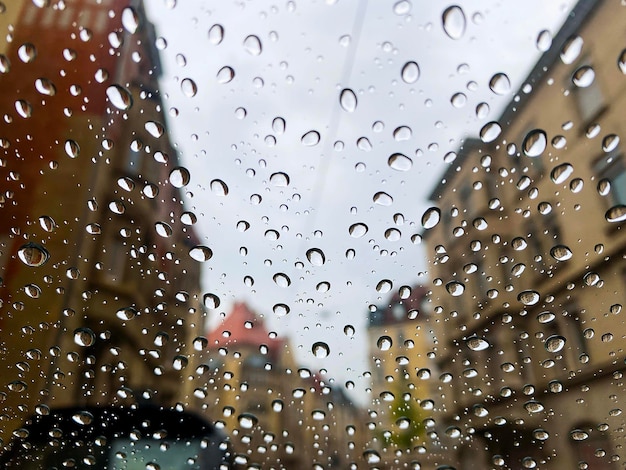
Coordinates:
278 414
100 298
528 260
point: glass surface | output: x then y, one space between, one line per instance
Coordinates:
351 234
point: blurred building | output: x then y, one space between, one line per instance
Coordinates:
528 251
99 293
402 375
279 415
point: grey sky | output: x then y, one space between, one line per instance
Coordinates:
299 76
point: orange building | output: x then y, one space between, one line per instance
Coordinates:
100 297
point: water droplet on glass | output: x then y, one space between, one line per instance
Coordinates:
382 199
533 406
400 162
431 217
528 297
155 129
410 72
45 87
219 188
280 310
616 214
225 74
578 435
211 301
282 280
126 313
571 49
453 20
348 330
179 177
544 40
163 229
357 230
535 143
84 337
188 87
402 133
27 52
490 132
455 288
33 254
384 343
561 173
311 138
500 84
83 418
320 349
216 34
247 420
119 97
610 143
252 45
315 256
561 252
348 100
621 61
554 343
47 223
384 286
23 108
280 179
201 253
583 76
32 290
458 100
279 125
130 20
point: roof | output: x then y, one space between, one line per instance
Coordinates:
243 327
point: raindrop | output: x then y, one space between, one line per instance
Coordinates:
500 84
544 40
455 288
23 108
32 290
315 256
279 179
384 286
402 133
364 144
119 97
72 149
545 317
322 287
583 76
219 188
83 418
528 297
578 435
216 34
252 44
211 301
458 100
320 350
535 143
571 49
163 230
155 129
616 214
282 280
311 138
188 87
357 230
348 330
277 406
621 61
490 132
561 252
561 173
384 343
431 217
476 343
27 52
179 177
371 456
533 406
47 223
201 253
393 234
5 65
84 337
225 74
130 20
45 87
382 199
127 313
279 125
280 310
33 254
554 343
410 72
348 100
402 7
453 20
247 420
610 143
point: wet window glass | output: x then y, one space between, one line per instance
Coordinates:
312 234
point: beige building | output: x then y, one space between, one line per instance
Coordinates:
403 372
279 415
528 260
100 298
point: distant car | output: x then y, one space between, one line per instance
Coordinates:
117 438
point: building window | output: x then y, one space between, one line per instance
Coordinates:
611 168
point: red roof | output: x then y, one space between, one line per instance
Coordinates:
242 327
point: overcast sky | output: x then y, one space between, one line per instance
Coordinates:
230 134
